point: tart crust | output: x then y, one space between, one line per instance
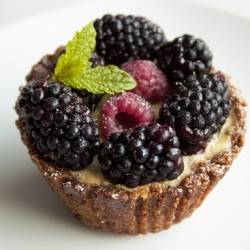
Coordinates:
151 208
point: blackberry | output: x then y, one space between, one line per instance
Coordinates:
183 56
141 155
58 123
121 38
198 110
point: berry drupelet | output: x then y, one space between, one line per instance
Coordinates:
183 56
121 38
59 124
199 108
142 155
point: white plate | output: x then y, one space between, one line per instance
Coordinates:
31 215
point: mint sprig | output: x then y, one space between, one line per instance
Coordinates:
74 67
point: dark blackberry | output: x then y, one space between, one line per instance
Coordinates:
198 110
183 56
141 156
121 38
59 124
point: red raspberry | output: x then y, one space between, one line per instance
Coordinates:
152 83
124 111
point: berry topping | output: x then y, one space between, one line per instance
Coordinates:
123 111
121 38
198 109
59 124
125 64
141 155
152 83
185 55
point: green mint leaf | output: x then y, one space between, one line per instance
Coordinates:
103 79
74 67
78 52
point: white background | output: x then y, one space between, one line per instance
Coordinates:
14 10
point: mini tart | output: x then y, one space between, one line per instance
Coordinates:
154 207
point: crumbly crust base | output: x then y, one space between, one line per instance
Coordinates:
148 209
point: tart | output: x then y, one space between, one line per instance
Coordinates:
179 152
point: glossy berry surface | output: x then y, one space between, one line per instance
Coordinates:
58 123
183 56
123 111
121 38
142 155
199 108
152 83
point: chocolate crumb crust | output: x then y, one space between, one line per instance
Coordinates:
152 208
45 67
